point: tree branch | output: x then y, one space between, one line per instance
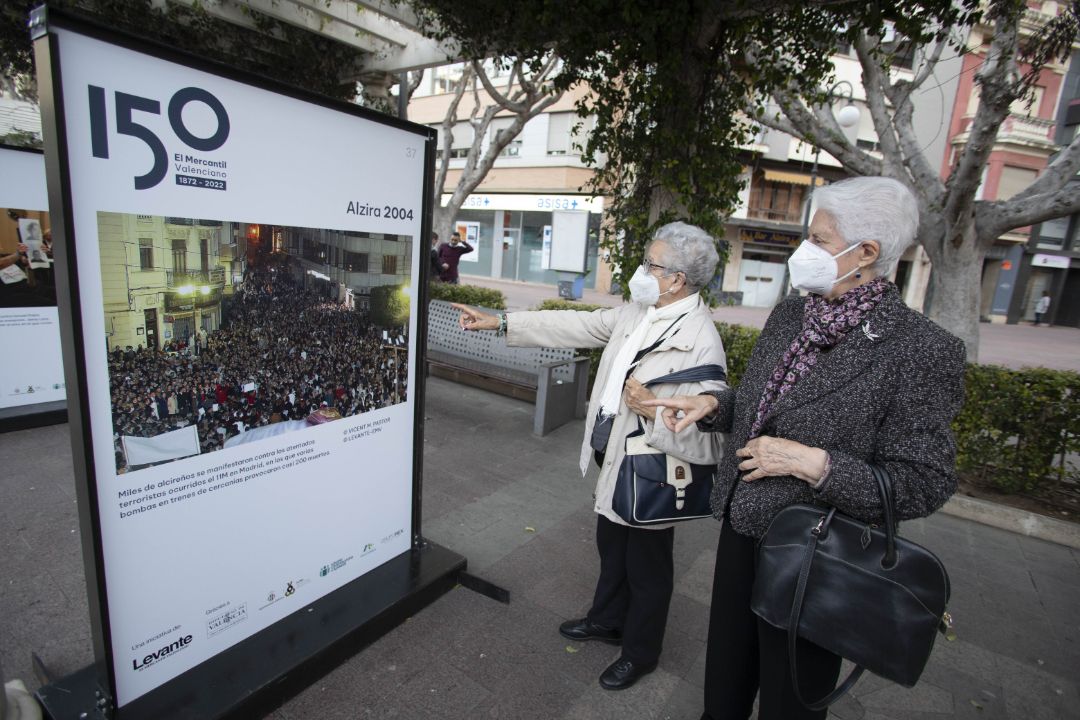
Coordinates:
448 136
997 78
1055 176
875 84
994 218
808 127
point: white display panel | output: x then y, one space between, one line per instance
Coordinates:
31 369
569 240
201 551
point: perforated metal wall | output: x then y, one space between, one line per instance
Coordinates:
446 336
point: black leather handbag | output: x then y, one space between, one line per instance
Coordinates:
653 487
853 588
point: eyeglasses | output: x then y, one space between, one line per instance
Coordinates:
649 265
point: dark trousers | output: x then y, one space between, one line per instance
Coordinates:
745 654
634 589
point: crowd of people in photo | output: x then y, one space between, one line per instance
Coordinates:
282 353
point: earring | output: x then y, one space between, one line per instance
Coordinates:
858 274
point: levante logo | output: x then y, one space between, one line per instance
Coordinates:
126 105
171 649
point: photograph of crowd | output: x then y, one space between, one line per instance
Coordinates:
284 357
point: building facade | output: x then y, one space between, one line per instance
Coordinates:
1023 148
164 278
1050 260
540 174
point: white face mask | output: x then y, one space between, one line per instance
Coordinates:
645 288
814 270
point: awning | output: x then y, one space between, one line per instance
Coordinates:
792 178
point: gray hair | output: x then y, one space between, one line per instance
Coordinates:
872 208
691 251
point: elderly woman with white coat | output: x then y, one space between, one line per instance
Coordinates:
668 328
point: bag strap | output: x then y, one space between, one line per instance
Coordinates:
822 528
698 373
663 336
888 507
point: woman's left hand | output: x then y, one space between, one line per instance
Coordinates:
633 395
775 457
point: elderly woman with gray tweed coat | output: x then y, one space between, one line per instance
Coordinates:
843 377
667 329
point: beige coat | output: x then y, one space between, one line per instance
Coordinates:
695 342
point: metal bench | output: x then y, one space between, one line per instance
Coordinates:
555 379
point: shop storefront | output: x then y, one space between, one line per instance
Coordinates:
509 233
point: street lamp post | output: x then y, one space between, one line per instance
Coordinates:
847 117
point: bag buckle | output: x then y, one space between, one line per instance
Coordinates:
820 525
945 627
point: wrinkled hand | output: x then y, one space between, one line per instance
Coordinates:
775 457
634 394
474 319
682 411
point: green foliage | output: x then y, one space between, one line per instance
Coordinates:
389 306
21 138
467 295
674 86
1016 426
739 341
273 49
561 304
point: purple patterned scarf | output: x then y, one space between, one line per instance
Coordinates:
825 324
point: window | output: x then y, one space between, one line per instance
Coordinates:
1028 105
389 265
356 262
447 78
513 149
179 255
146 254
868 145
460 141
1052 233
1013 180
558 139
902 53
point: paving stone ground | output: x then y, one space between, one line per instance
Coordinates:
517 508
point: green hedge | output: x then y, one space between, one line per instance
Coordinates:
1015 429
467 295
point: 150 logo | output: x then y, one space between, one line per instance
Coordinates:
127 105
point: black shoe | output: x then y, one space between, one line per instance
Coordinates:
622 673
583 629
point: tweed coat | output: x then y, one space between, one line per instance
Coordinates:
695 342
885 394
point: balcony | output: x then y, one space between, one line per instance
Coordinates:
1024 130
1018 130
779 215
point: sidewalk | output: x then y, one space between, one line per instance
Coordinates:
1013 346
518 509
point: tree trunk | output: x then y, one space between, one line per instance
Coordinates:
956 285
442 222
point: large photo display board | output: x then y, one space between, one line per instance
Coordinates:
251 430
31 371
